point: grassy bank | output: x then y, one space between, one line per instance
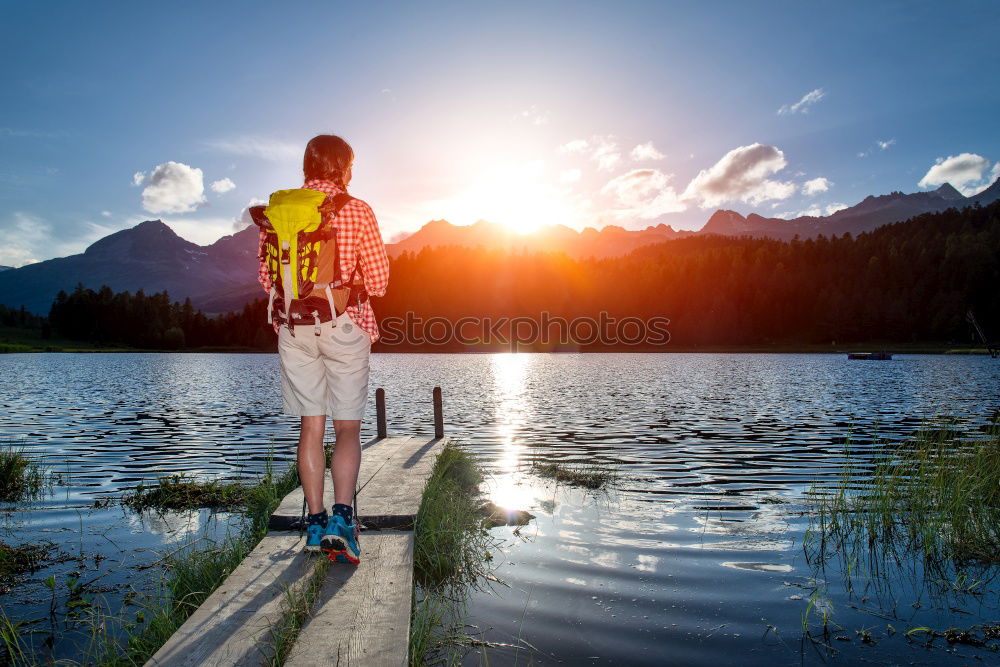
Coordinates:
451 554
933 500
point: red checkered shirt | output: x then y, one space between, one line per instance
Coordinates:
359 243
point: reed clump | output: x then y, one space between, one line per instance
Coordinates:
182 491
935 498
596 475
21 477
939 492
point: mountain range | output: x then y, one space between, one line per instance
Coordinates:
222 276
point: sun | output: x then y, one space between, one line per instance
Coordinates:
515 195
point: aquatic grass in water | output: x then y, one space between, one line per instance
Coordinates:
195 573
931 503
15 560
179 492
597 475
192 573
21 478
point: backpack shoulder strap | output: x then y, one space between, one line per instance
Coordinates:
334 203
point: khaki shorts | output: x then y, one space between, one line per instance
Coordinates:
325 374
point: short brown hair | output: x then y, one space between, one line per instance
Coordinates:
327 158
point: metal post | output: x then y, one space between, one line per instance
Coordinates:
380 413
438 414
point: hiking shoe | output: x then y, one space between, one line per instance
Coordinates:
340 541
314 537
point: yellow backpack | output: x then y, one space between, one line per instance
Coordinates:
298 257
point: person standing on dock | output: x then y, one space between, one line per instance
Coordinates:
321 257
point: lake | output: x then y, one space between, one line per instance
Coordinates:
697 557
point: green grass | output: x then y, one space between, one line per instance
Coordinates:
597 475
298 603
191 574
178 492
194 573
452 553
932 502
21 478
16 560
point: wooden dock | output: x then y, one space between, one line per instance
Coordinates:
361 615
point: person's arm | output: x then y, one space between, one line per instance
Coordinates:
371 254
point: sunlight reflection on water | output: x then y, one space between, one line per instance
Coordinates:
702 541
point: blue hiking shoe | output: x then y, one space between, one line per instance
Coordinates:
314 537
340 541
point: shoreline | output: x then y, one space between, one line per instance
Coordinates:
930 348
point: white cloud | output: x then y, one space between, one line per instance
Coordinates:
24 235
32 239
174 187
222 185
606 156
813 212
834 207
260 147
534 115
741 175
575 146
965 171
138 177
645 193
881 144
569 176
244 220
106 214
601 149
816 185
646 151
809 99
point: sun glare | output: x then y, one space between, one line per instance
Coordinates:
517 196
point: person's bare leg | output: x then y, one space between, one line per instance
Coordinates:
346 459
311 460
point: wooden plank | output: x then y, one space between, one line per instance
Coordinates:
232 626
374 454
362 614
397 488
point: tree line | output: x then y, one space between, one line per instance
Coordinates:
154 322
906 282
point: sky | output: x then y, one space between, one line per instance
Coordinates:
524 113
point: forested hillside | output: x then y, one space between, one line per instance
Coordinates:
906 282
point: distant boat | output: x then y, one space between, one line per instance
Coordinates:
876 356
